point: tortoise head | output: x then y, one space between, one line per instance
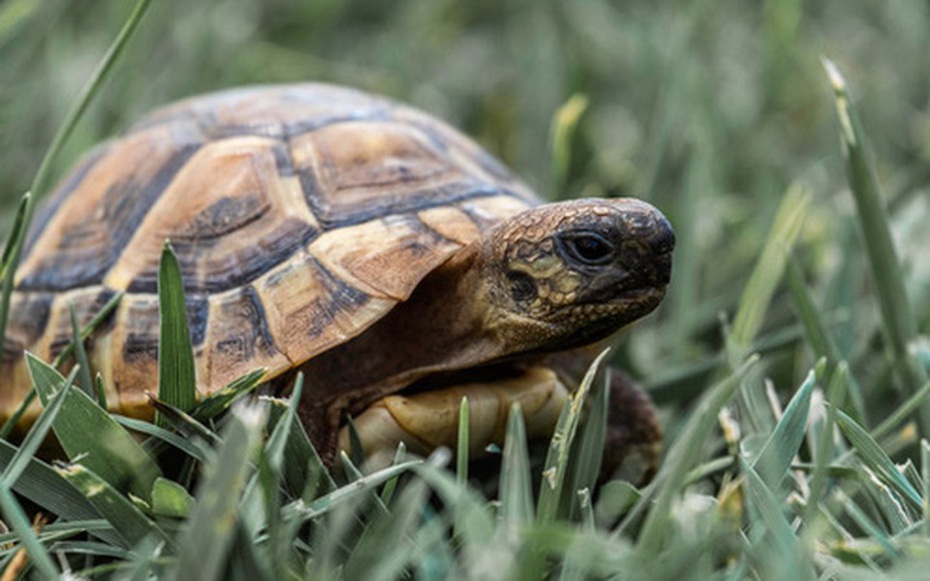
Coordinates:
572 273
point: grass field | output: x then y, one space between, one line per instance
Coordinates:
790 358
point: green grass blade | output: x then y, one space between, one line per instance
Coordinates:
824 452
42 485
901 413
95 321
820 339
774 458
461 455
516 494
305 475
91 325
11 256
364 485
561 132
210 530
36 435
219 401
554 473
899 321
88 92
80 356
768 270
588 450
682 456
925 475
170 438
176 376
784 557
128 521
15 517
89 435
170 499
875 458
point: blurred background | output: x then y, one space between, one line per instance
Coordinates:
710 109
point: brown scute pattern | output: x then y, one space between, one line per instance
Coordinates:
28 317
238 337
229 217
414 245
79 247
309 309
74 179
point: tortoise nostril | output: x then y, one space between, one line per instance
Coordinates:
662 240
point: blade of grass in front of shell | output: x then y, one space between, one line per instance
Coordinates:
588 449
95 321
35 437
11 255
89 435
555 468
461 455
42 485
130 523
516 496
209 532
322 505
176 376
219 401
682 456
900 325
472 520
163 435
305 475
85 382
876 459
774 458
15 517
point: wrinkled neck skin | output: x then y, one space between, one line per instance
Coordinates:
443 326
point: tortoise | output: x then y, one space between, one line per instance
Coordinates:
358 240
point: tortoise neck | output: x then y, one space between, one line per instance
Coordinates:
441 327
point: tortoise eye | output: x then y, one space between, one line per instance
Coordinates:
588 248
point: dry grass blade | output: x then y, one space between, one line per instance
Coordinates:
14 515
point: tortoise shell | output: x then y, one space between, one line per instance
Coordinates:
300 215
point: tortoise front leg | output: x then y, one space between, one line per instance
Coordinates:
427 420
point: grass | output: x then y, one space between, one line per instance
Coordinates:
790 357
